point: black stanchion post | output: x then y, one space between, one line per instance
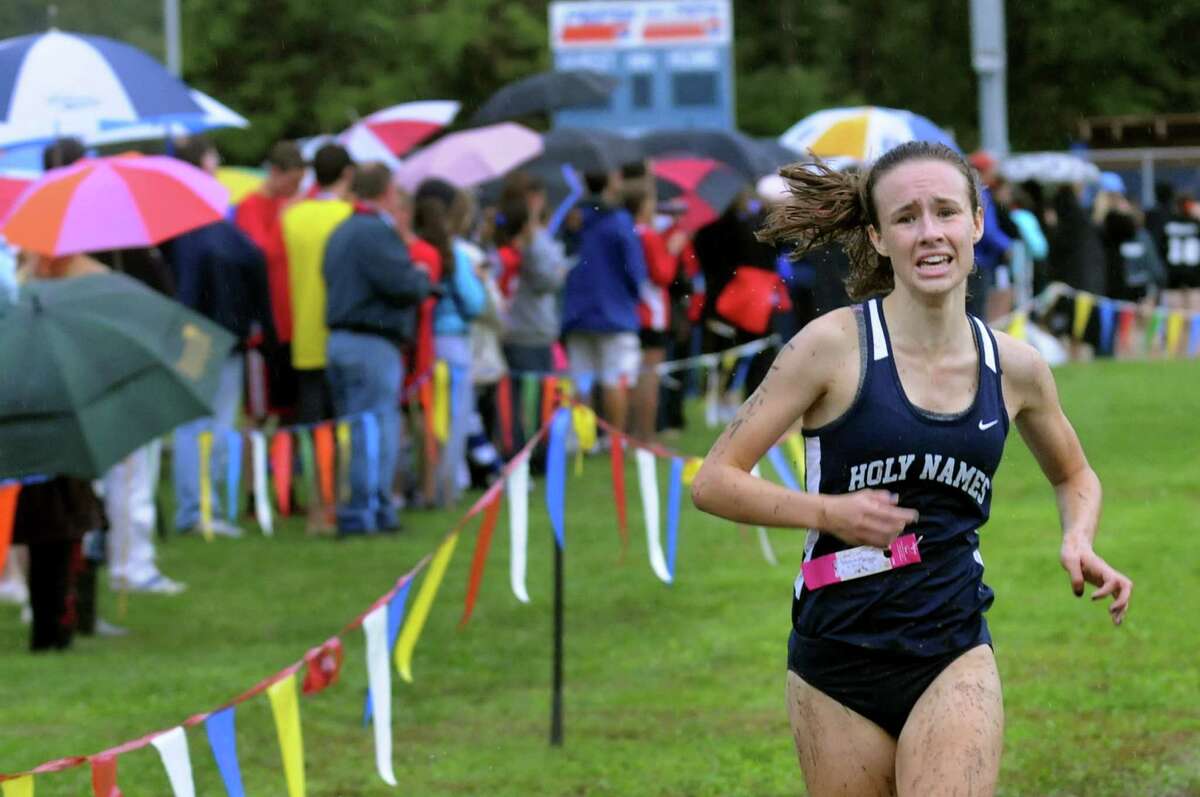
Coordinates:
556 706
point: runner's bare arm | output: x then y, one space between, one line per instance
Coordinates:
1032 395
798 379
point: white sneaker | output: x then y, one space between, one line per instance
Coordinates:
155 585
223 528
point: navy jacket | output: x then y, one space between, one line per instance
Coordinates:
602 288
371 284
221 274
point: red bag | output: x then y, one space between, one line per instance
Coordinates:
751 298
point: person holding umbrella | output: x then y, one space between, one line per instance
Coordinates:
906 401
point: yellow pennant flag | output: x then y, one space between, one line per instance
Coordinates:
584 421
343 444
205 441
1083 311
286 709
420 610
1174 332
441 401
690 469
20 787
1016 327
795 449
566 388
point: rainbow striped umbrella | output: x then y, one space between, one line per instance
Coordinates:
860 134
120 202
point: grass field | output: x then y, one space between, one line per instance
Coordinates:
669 690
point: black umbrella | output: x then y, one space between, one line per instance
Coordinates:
777 153
546 91
589 150
731 147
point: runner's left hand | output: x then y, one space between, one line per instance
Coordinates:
1085 565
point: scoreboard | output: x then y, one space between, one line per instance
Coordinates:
673 60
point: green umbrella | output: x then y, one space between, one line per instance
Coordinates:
93 367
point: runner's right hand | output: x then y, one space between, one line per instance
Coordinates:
866 517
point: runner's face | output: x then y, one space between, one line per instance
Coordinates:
926 226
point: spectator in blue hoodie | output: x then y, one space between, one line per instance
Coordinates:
600 319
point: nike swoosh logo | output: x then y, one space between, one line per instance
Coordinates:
983 427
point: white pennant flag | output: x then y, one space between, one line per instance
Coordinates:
712 398
172 747
518 526
648 486
764 542
379 676
262 500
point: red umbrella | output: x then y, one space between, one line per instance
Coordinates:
11 187
705 186
399 128
120 202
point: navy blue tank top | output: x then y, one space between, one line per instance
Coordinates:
942 465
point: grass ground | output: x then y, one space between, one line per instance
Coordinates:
669 690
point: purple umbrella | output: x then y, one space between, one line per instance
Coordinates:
471 157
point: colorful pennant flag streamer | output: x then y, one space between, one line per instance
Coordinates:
379 676
780 466
531 406
8 512
674 499
173 749
1174 332
323 445
517 488
504 409
482 544
281 470
323 664
795 447
104 776
233 473
411 631
1154 329
1194 336
556 473
616 442
583 419
395 618
1083 311
308 469
18 787
286 709
222 740
205 441
712 398
343 459
690 469
1107 314
1125 329
262 499
648 486
441 401
1016 326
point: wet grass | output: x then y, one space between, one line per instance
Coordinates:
669 690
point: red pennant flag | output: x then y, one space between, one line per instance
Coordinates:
505 410
425 396
323 442
281 470
8 510
617 446
549 398
104 776
482 544
1124 329
323 663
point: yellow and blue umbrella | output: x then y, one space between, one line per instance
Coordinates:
860 134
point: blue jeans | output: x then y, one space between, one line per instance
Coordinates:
185 466
456 351
365 373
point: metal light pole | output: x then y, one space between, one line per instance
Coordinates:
988 56
171 32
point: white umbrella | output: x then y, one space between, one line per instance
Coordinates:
1049 167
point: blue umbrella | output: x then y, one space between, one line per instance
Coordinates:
58 83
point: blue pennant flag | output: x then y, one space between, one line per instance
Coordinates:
782 469
1194 336
674 499
222 739
1107 327
741 372
233 473
371 449
556 472
395 618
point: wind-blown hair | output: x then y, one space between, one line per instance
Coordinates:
831 207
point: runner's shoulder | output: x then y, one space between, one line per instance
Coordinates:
827 340
1023 366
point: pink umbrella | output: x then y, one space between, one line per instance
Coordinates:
472 156
396 130
119 202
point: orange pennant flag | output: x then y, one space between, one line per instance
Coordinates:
8 511
281 470
323 442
